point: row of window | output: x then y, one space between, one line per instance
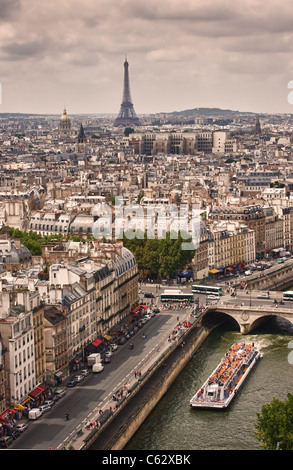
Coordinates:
23 356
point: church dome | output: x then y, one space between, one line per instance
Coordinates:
64 116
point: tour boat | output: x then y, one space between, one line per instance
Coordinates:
225 381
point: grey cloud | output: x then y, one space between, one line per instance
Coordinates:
23 50
171 45
184 10
8 8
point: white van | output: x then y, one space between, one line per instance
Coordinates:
98 367
248 273
34 413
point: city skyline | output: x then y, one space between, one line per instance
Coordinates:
182 54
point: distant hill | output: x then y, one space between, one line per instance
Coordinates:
208 112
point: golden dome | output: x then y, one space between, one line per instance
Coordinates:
64 116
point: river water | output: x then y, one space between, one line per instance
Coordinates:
174 425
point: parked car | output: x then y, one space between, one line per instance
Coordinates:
156 310
49 402
147 317
5 441
78 378
106 360
14 433
85 372
121 340
71 383
21 427
34 413
44 408
109 354
113 347
60 392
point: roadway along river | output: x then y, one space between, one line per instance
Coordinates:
173 425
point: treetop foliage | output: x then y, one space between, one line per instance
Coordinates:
160 256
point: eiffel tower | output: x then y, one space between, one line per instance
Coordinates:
127 116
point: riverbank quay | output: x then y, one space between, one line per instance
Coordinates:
277 278
112 429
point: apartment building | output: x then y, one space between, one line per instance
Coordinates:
199 265
48 223
252 216
75 289
3 376
56 343
13 255
273 230
40 354
231 245
17 332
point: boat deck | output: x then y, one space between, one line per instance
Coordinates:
221 386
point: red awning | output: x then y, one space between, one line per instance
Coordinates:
37 391
139 307
4 415
97 342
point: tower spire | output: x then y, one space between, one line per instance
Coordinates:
127 115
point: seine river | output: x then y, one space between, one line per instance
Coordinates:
173 425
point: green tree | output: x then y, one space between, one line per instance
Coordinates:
162 257
128 131
274 426
33 240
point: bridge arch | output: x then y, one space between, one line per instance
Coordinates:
213 318
246 318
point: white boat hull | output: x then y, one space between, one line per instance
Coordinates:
196 403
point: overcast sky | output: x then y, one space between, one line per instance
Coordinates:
182 54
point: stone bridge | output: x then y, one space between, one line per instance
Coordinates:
248 318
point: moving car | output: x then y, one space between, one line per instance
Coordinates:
85 372
213 297
149 295
263 296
